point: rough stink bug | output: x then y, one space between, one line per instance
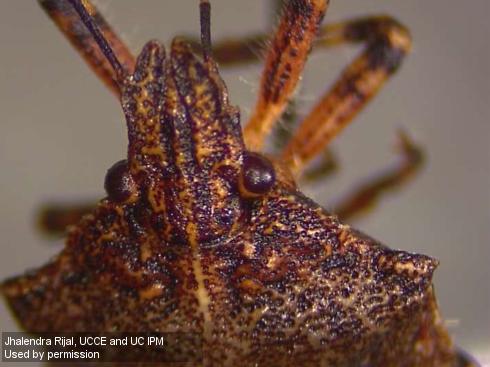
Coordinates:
200 233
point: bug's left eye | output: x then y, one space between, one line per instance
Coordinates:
119 183
257 176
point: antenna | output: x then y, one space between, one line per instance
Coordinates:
205 17
98 36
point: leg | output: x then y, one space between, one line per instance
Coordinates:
53 219
365 197
387 43
327 162
69 22
283 66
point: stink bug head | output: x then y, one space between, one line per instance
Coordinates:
185 143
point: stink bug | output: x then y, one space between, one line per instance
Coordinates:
199 232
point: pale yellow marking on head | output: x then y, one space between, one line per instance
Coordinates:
153 291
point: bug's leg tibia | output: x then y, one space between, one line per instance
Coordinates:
70 24
284 63
53 218
387 43
365 197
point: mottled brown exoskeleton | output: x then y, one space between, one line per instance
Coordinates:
201 233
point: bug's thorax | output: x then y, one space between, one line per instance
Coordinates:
185 144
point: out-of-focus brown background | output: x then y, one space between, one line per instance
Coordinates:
61 130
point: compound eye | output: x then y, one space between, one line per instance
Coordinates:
119 183
258 175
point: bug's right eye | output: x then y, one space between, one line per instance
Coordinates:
119 183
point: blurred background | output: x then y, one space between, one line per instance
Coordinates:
61 130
